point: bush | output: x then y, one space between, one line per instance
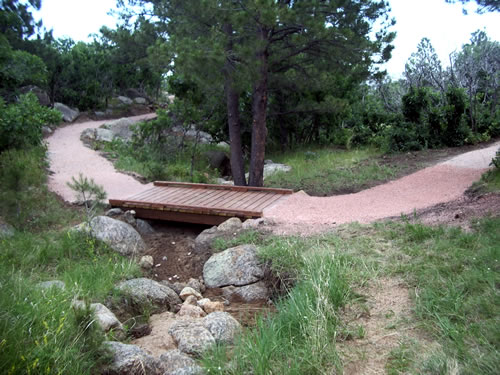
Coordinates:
21 123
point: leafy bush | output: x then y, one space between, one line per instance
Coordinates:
21 123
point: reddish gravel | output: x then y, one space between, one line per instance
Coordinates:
68 157
302 214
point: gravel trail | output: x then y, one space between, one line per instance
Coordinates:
299 213
444 182
68 157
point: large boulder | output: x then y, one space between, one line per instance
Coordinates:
131 360
120 236
121 128
91 135
69 114
42 96
222 326
125 100
141 101
144 290
236 266
177 363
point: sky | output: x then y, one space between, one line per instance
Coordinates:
444 24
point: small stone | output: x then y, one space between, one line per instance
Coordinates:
158 265
114 212
191 336
231 225
210 306
252 223
191 311
164 258
52 284
191 300
177 363
130 217
176 286
143 227
187 291
146 262
222 326
197 285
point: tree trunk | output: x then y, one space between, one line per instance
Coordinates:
233 115
259 112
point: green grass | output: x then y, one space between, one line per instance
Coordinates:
328 171
39 330
26 201
489 182
456 278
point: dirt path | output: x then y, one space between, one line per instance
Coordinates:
444 182
68 157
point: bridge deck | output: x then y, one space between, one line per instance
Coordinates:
200 203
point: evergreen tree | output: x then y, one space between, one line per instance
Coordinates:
254 46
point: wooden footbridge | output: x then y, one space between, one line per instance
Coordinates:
200 203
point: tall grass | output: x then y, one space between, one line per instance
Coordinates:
300 338
26 202
40 333
39 330
456 277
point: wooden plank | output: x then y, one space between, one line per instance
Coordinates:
201 210
170 194
217 201
143 194
207 197
181 216
242 199
255 201
222 187
185 197
155 192
261 204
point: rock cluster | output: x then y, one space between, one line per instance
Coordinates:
186 323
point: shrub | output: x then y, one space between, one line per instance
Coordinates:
21 123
